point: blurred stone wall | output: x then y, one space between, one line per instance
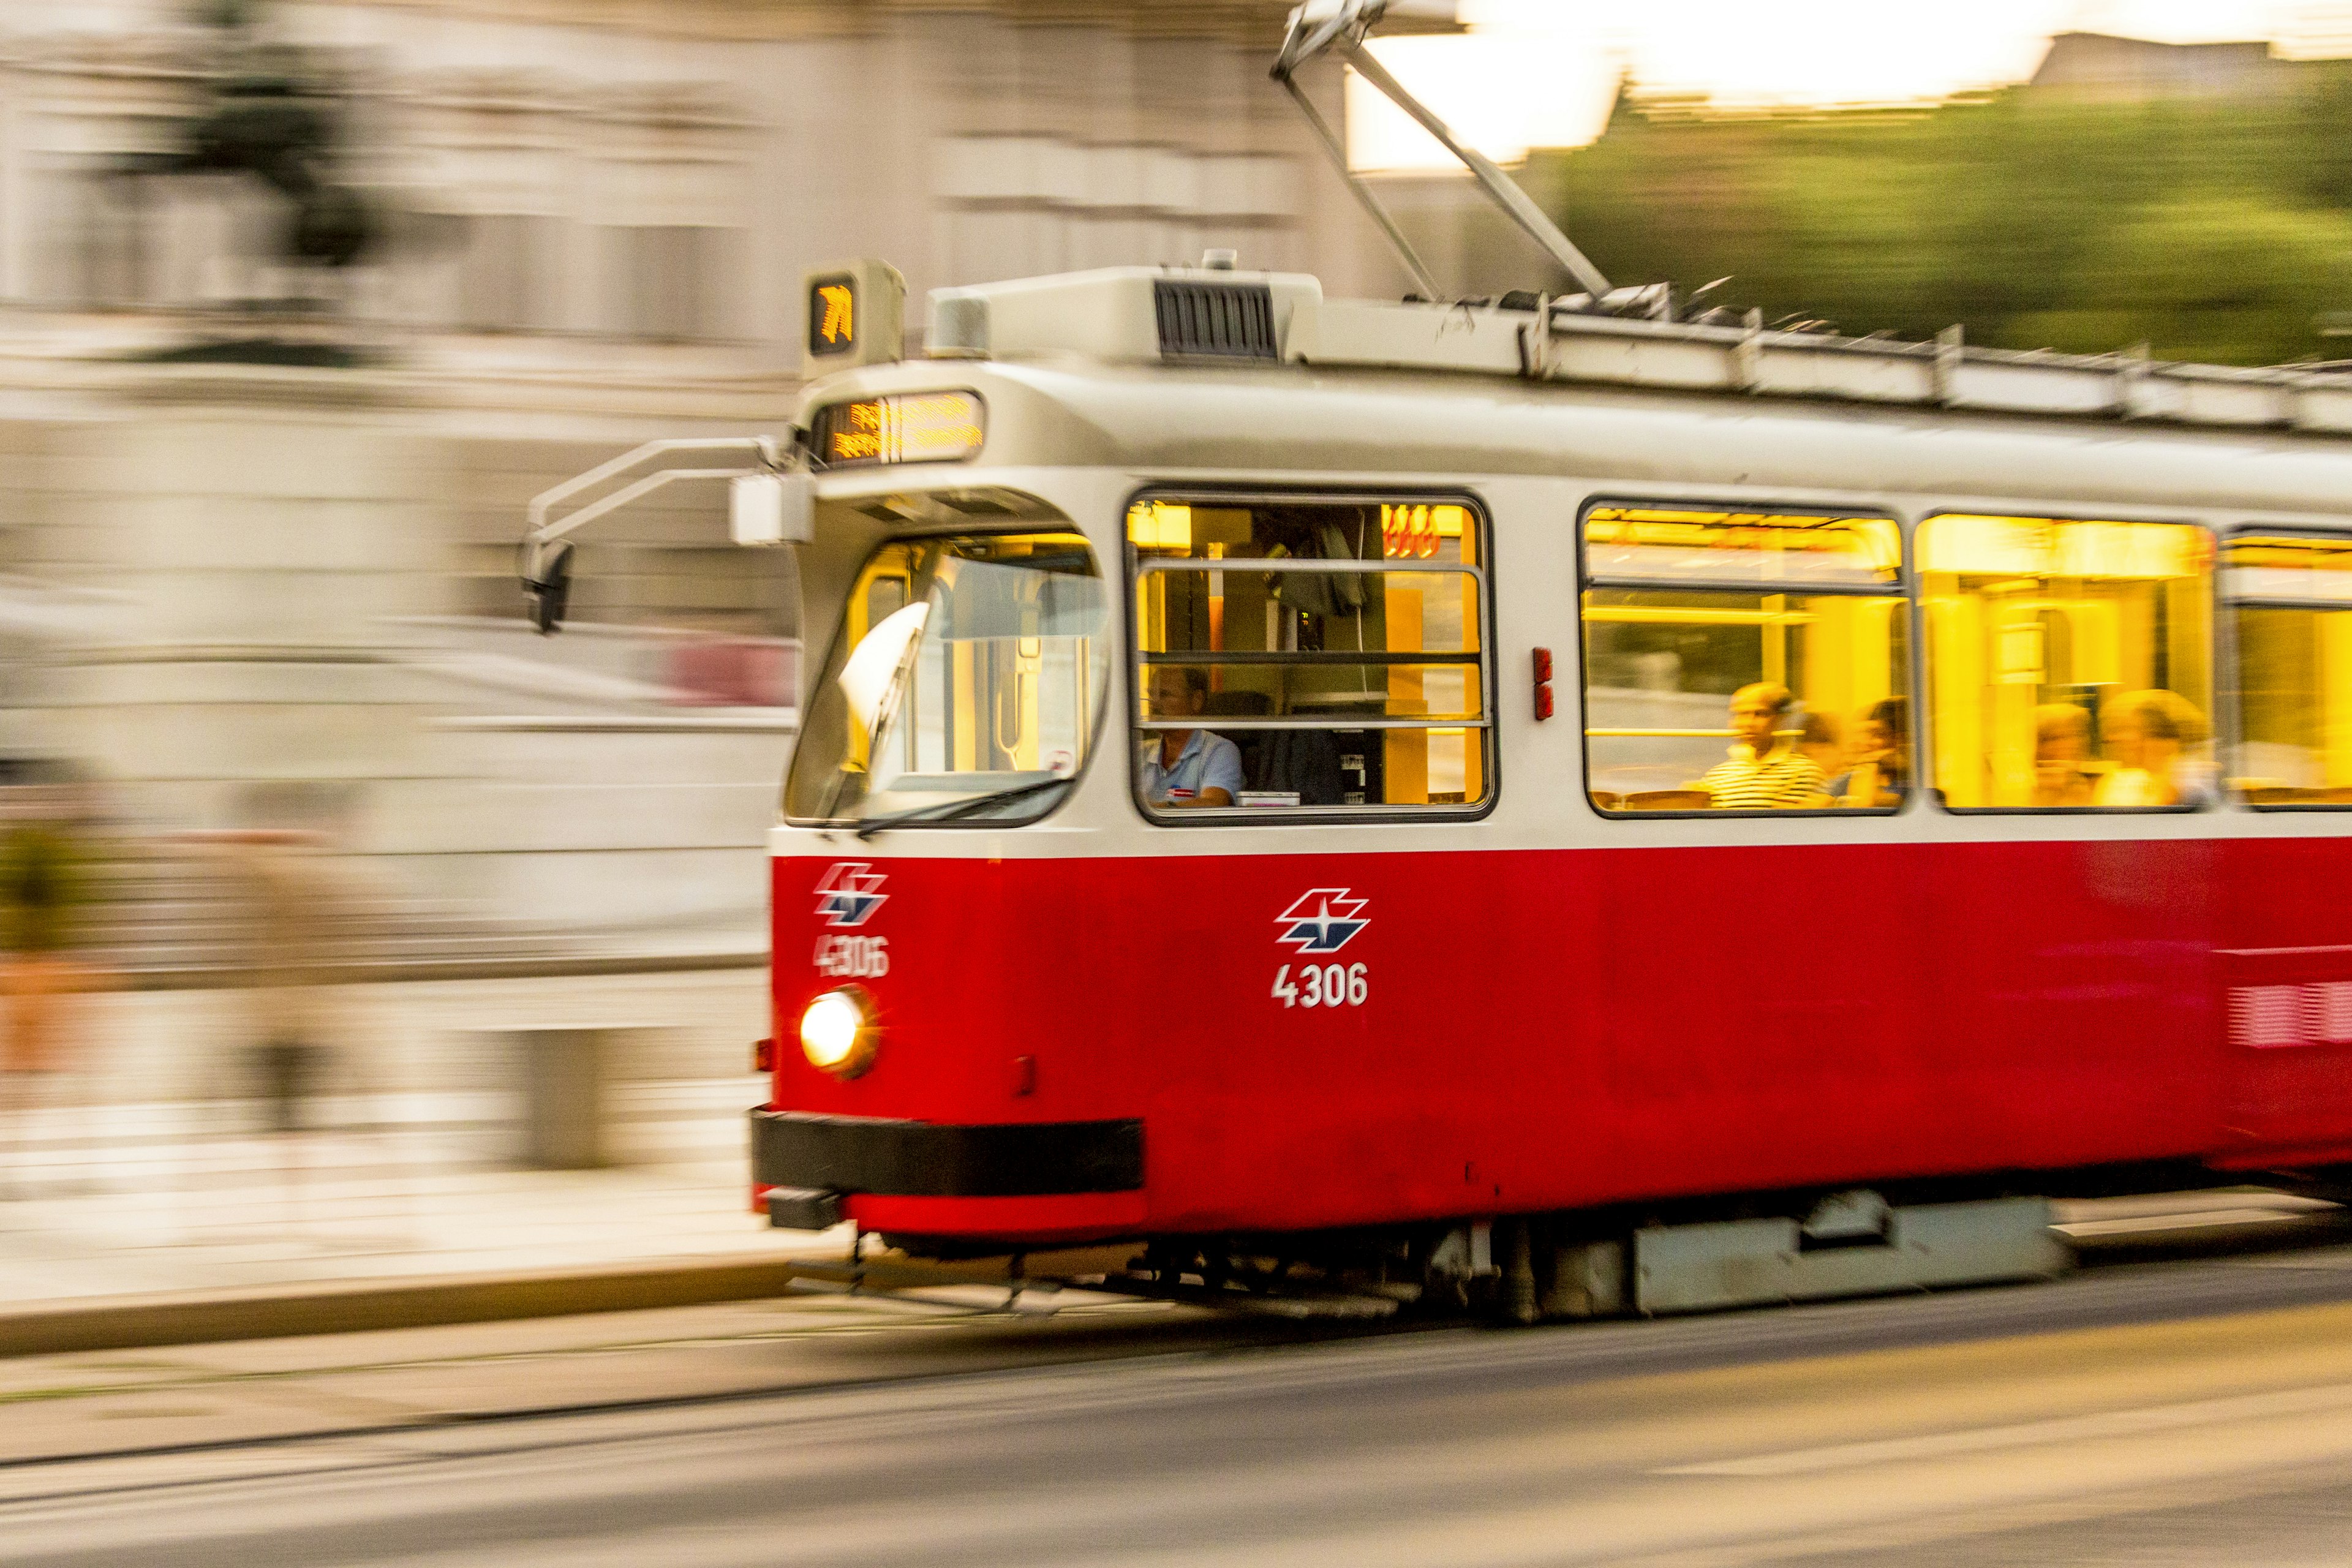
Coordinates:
220 576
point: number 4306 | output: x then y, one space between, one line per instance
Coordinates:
1323 986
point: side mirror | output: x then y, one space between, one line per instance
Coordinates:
551 591
772 508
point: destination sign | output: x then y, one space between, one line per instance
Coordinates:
833 315
911 427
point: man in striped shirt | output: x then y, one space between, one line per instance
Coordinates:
1764 770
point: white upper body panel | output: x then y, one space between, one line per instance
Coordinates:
1083 436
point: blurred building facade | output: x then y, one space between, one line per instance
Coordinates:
2099 67
259 515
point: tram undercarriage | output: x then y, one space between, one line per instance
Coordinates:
1522 1269
1756 1249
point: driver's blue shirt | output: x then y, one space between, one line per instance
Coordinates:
1207 761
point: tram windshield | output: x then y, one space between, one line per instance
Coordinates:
963 686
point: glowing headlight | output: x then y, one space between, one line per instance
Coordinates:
837 1031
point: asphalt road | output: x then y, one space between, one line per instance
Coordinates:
2196 1411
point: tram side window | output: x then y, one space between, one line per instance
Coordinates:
1309 653
2290 600
2069 662
1744 660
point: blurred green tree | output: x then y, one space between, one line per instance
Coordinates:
2212 230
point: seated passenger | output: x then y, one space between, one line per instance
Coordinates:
2062 744
1882 763
1186 767
1763 769
2148 733
1819 737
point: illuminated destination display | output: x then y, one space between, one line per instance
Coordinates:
913 427
833 315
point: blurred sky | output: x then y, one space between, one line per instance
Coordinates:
1542 73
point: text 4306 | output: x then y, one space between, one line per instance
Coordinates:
1323 986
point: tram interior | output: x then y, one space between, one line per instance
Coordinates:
2055 651
2292 610
1362 685
1339 645
2069 661
1689 607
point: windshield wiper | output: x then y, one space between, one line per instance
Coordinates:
949 810
885 710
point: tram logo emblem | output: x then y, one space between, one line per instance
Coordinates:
1324 920
849 893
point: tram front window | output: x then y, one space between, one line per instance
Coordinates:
963 686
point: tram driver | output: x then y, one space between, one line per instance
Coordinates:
1764 768
1186 767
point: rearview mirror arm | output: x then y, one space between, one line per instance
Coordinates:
541 582
542 532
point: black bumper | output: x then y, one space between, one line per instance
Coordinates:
941 1160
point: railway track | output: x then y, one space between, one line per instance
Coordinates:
111 1420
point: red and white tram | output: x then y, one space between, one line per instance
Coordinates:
1658 812
1265 790
1668 813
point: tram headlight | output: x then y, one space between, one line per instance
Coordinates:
837 1031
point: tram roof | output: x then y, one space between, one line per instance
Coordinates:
1084 369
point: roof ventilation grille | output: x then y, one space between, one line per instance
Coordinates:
1214 321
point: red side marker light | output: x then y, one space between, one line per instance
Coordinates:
1543 702
1025 1075
1543 666
763 1055
1543 683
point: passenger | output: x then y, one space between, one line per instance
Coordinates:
1882 763
2062 744
44 977
2150 734
1186 767
1763 769
1819 737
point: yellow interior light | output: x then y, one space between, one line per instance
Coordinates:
1160 525
1875 543
2039 547
2298 554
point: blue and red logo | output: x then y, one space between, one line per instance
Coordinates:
1324 920
849 893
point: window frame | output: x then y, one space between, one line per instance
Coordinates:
1490 723
1904 588
2217 700
2226 665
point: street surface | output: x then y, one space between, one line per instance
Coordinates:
2191 1410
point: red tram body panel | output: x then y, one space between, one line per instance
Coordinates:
1552 1056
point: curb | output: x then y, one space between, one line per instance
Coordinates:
132 1323
420 969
